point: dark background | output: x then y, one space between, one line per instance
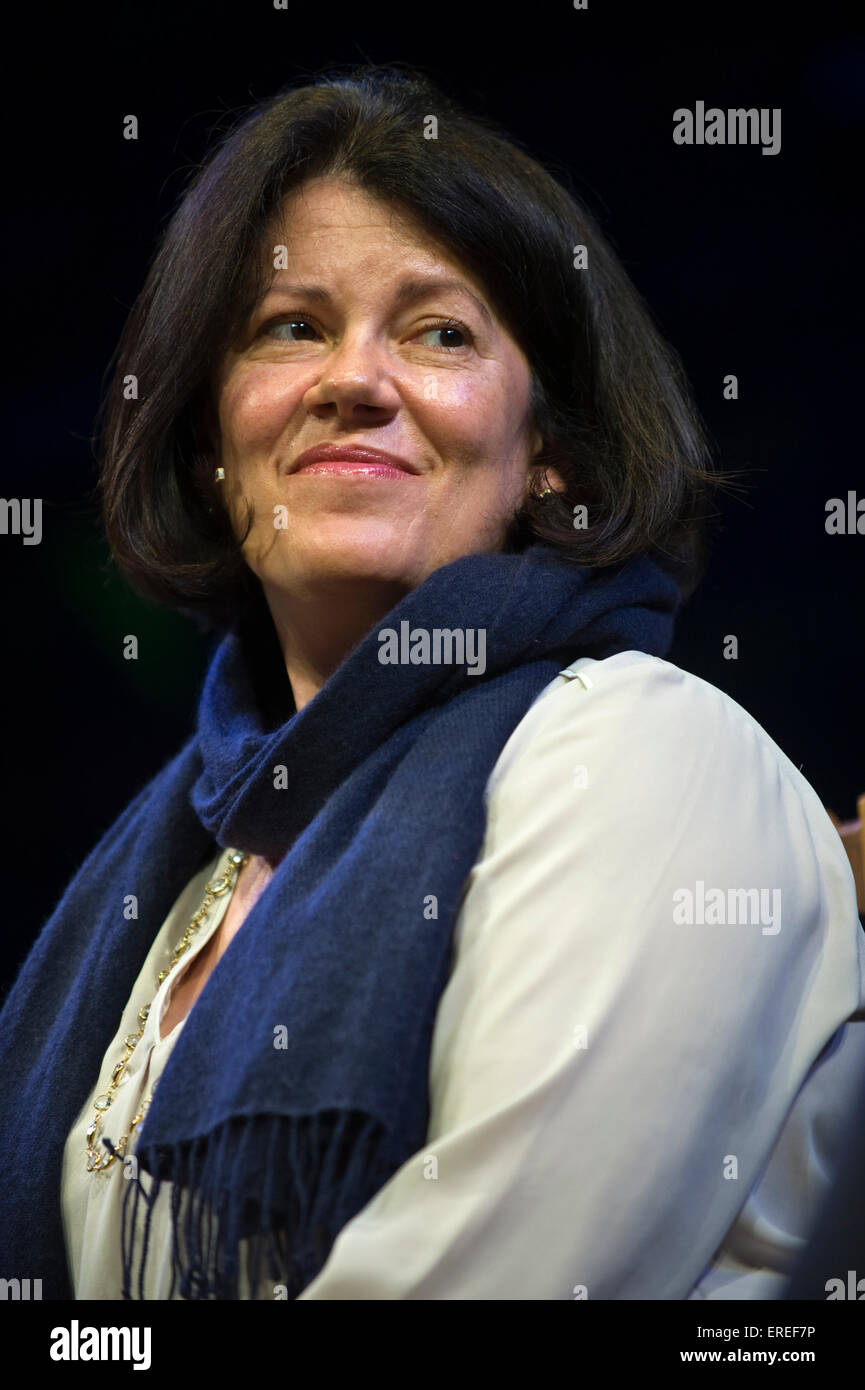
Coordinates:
748 262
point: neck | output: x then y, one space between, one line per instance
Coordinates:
318 628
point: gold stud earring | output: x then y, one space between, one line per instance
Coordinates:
547 492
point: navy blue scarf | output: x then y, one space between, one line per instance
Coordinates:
383 814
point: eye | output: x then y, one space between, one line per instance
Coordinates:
451 326
290 321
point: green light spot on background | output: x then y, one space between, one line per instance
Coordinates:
171 651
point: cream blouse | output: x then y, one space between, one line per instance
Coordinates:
630 1097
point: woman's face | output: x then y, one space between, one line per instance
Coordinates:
351 345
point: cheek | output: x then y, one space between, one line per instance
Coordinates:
479 427
253 409
480 417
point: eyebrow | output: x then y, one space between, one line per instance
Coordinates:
406 292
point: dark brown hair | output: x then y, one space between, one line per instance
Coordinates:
608 393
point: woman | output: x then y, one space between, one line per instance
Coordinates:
399 980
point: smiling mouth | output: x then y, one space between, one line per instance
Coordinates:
352 467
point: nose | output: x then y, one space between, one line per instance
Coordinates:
354 380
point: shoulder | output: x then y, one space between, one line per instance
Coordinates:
664 758
633 705
630 796
632 695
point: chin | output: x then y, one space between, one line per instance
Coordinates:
326 570
379 556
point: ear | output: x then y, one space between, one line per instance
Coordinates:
549 475
552 478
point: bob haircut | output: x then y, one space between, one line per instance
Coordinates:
608 394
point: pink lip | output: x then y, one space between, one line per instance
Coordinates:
367 470
352 458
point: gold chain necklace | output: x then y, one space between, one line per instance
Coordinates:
212 890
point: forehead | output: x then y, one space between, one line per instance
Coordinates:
340 204
332 221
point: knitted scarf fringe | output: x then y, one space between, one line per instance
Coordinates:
319 1170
